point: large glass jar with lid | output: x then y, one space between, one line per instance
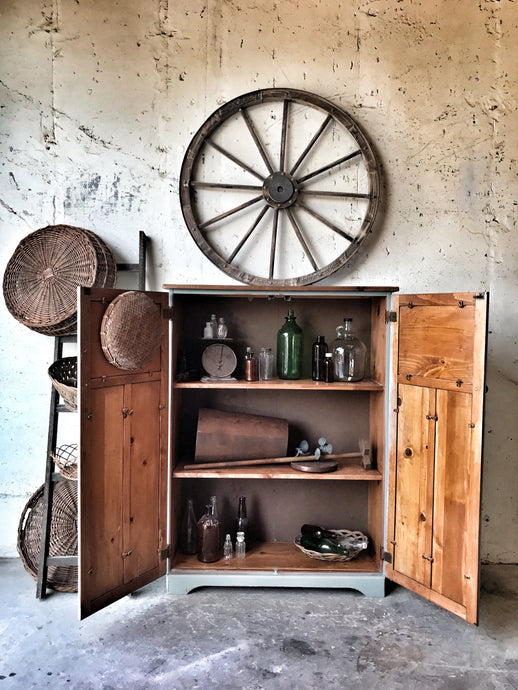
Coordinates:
349 354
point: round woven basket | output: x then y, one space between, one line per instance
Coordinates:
335 557
63 374
131 330
63 535
65 458
42 276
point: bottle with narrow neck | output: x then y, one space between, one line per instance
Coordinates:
349 354
188 536
208 534
242 518
289 349
318 358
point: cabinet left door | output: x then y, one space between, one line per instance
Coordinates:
123 472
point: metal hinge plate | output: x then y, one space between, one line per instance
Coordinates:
385 555
390 316
164 553
168 313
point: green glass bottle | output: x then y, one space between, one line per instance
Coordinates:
289 349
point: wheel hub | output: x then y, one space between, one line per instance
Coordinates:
280 190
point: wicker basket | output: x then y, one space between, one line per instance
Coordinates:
335 557
63 374
42 276
65 458
63 535
131 331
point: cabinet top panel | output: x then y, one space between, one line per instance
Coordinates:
265 289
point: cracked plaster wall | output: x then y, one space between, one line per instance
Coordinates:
98 102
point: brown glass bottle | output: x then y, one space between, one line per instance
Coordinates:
208 535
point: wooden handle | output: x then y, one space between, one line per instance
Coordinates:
267 461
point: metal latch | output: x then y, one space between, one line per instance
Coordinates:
390 317
385 555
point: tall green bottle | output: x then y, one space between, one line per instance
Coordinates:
289 349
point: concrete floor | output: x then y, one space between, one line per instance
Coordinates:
257 638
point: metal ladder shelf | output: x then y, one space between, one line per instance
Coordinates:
51 476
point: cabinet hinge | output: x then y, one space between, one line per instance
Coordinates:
385 555
390 317
168 313
164 553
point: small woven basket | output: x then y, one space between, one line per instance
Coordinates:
335 557
65 458
63 535
42 276
63 374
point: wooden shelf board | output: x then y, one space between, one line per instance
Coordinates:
279 384
277 556
347 470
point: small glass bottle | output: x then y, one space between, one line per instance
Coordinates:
222 328
250 365
242 519
329 368
214 325
349 354
208 534
289 349
207 331
240 545
318 357
265 363
188 536
227 548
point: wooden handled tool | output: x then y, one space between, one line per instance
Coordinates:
267 461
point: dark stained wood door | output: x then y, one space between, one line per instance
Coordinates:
123 463
436 449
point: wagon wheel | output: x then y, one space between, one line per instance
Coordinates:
279 187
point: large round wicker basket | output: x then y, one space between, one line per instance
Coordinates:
42 276
63 535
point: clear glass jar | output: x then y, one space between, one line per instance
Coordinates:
349 354
265 363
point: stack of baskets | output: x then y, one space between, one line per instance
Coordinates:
42 276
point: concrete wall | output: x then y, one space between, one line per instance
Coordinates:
98 102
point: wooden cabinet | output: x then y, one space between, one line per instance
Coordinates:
427 527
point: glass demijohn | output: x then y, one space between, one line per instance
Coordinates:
349 354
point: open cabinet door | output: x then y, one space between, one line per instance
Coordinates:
436 448
123 452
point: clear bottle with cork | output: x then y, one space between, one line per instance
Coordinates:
240 545
265 364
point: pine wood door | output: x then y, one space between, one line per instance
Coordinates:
123 463
436 448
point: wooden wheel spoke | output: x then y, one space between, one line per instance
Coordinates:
234 159
326 222
327 167
284 133
230 212
256 139
247 235
274 242
221 185
311 144
301 239
339 195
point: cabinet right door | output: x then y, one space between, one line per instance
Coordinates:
439 344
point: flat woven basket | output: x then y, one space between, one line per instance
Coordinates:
63 535
65 458
42 276
332 557
131 330
63 374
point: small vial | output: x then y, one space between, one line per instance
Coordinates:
250 365
227 548
222 328
329 368
240 545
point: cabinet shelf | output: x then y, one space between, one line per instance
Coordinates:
366 384
347 470
277 557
